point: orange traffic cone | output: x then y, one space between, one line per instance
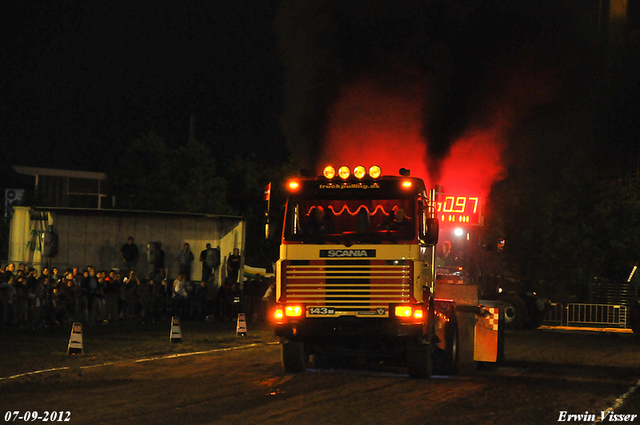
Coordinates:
176 334
241 329
75 340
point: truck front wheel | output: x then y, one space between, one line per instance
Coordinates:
294 358
515 312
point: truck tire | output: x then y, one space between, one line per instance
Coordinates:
446 359
419 359
537 307
451 352
515 313
294 358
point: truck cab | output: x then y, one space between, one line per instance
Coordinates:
356 273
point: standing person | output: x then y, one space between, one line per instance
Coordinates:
214 260
211 290
55 276
143 296
9 270
206 266
233 266
184 258
112 294
180 294
7 300
130 254
210 258
80 296
91 288
158 263
268 299
129 292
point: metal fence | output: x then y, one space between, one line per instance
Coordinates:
597 314
577 314
554 315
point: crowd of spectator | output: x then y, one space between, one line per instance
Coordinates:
31 298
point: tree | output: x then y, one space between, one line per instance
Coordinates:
140 177
151 176
194 184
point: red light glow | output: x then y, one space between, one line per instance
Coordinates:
294 185
474 163
370 124
374 122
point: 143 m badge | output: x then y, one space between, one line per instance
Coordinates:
321 311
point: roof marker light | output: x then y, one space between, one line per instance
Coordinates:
329 172
293 184
375 171
406 184
344 172
359 171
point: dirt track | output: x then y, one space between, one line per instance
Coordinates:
546 372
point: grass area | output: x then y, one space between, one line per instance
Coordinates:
26 350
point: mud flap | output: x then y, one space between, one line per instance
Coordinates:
466 318
294 357
489 323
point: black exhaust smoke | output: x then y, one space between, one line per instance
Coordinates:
479 65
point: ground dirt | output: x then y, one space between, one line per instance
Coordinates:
131 374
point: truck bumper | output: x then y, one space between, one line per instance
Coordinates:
347 334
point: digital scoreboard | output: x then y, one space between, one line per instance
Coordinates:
460 210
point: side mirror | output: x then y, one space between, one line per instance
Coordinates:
432 231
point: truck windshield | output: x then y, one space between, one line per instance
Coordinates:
349 221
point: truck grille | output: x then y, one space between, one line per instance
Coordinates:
347 285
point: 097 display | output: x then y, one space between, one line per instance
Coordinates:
460 210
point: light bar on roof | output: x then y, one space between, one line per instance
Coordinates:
359 172
344 172
329 172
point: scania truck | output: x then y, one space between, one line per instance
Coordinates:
357 274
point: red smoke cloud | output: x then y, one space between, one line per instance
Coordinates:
372 123
473 164
475 160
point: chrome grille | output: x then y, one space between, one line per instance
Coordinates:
347 286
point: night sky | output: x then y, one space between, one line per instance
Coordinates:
81 79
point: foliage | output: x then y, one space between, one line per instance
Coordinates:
194 182
562 236
570 206
151 176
